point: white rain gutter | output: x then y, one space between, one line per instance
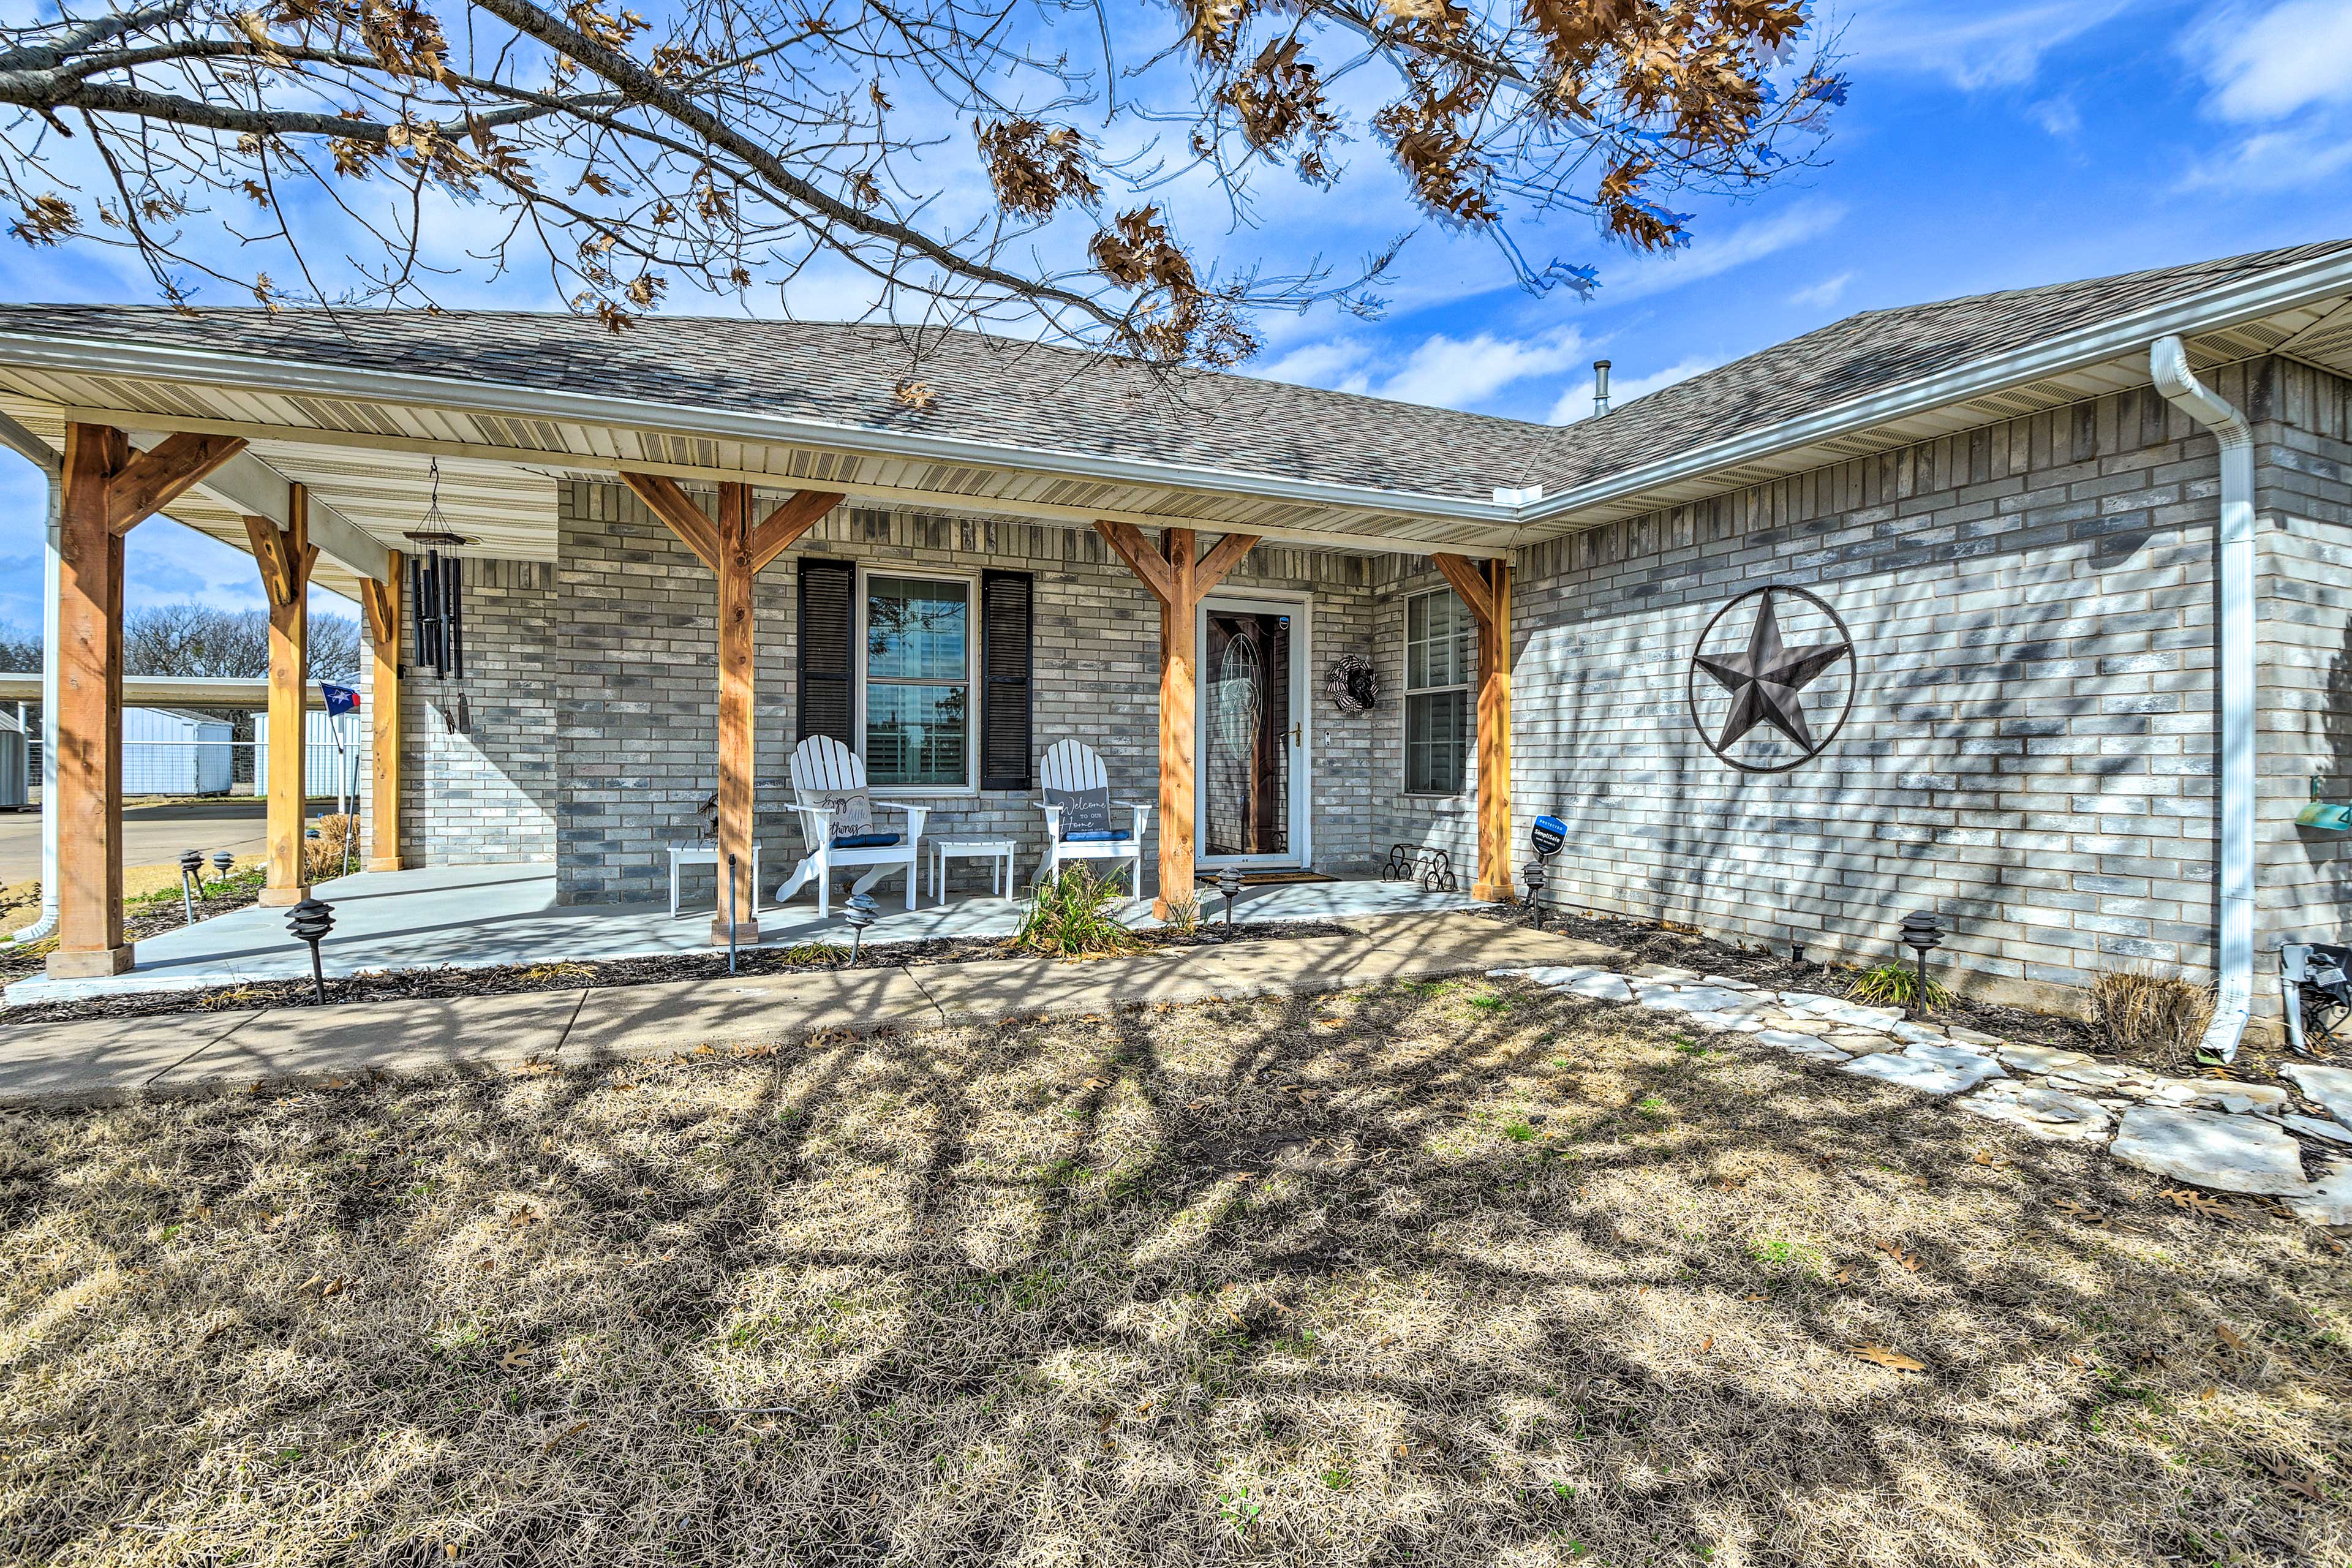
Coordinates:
37 452
2168 362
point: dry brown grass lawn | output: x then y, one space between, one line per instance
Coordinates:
1458 1274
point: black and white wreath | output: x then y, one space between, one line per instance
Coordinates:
1354 686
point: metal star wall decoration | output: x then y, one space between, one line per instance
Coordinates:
1767 679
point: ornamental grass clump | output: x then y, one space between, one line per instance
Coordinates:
1069 917
1899 984
2139 1012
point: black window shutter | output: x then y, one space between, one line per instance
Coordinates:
1006 612
827 653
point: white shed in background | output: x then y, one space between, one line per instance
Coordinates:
169 750
334 752
15 766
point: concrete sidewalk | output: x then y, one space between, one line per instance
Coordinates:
103 1059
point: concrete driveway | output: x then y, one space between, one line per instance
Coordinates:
151 835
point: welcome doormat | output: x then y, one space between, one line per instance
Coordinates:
1266 878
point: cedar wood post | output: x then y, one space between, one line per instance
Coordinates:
381 601
286 558
1487 594
108 493
737 551
1178 582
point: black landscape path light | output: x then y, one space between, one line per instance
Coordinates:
192 877
1923 933
222 861
312 918
730 914
859 910
1228 882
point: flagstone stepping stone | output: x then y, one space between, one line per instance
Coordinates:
1580 980
1697 999
1861 1042
2231 1095
2328 1201
2211 1149
2332 1087
1729 984
2105 1075
2310 1126
2041 1058
1666 973
1731 1023
1837 1010
1917 1034
1931 1069
1970 1036
1803 1045
2044 1112
1794 1025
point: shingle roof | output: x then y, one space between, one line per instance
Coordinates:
1055 399
985 388
1870 352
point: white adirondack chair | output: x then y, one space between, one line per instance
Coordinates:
1074 785
827 778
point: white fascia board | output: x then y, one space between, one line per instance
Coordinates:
248 485
109 356
2214 310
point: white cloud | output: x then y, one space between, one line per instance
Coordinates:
1576 402
2058 116
1655 274
1972 46
2265 64
2274 160
1823 294
1460 372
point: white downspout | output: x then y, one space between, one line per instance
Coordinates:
2168 362
36 451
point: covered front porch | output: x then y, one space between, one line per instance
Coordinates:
634 624
495 916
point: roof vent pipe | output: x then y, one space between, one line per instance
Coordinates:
2234 679
1600 387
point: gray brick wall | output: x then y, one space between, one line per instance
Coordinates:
2031 749
485 791
634 655
2302 477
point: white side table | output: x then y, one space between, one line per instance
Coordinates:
997 849
708 855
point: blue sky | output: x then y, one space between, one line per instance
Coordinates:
1984 146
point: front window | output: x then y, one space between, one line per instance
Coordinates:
917 683
1440 642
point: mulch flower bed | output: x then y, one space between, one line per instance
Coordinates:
140 920
401 984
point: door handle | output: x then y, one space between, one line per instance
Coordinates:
1297 731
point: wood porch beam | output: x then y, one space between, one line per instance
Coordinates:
381 601
737 674
1487 594
286 556
782 527
1178 579
736 550
90 710
153 479
665 500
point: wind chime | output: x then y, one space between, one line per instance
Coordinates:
437 602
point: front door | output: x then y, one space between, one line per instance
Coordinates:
1252 746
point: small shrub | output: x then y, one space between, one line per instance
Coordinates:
1897 986
1184 916
2138 1011
1069 917
322 858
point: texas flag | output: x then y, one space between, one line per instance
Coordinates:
340 699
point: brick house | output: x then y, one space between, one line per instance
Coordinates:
1988 504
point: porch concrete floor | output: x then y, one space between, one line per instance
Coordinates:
478 916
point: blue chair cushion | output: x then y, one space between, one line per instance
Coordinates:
1098 835
864 840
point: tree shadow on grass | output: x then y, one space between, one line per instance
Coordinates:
1456 1272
